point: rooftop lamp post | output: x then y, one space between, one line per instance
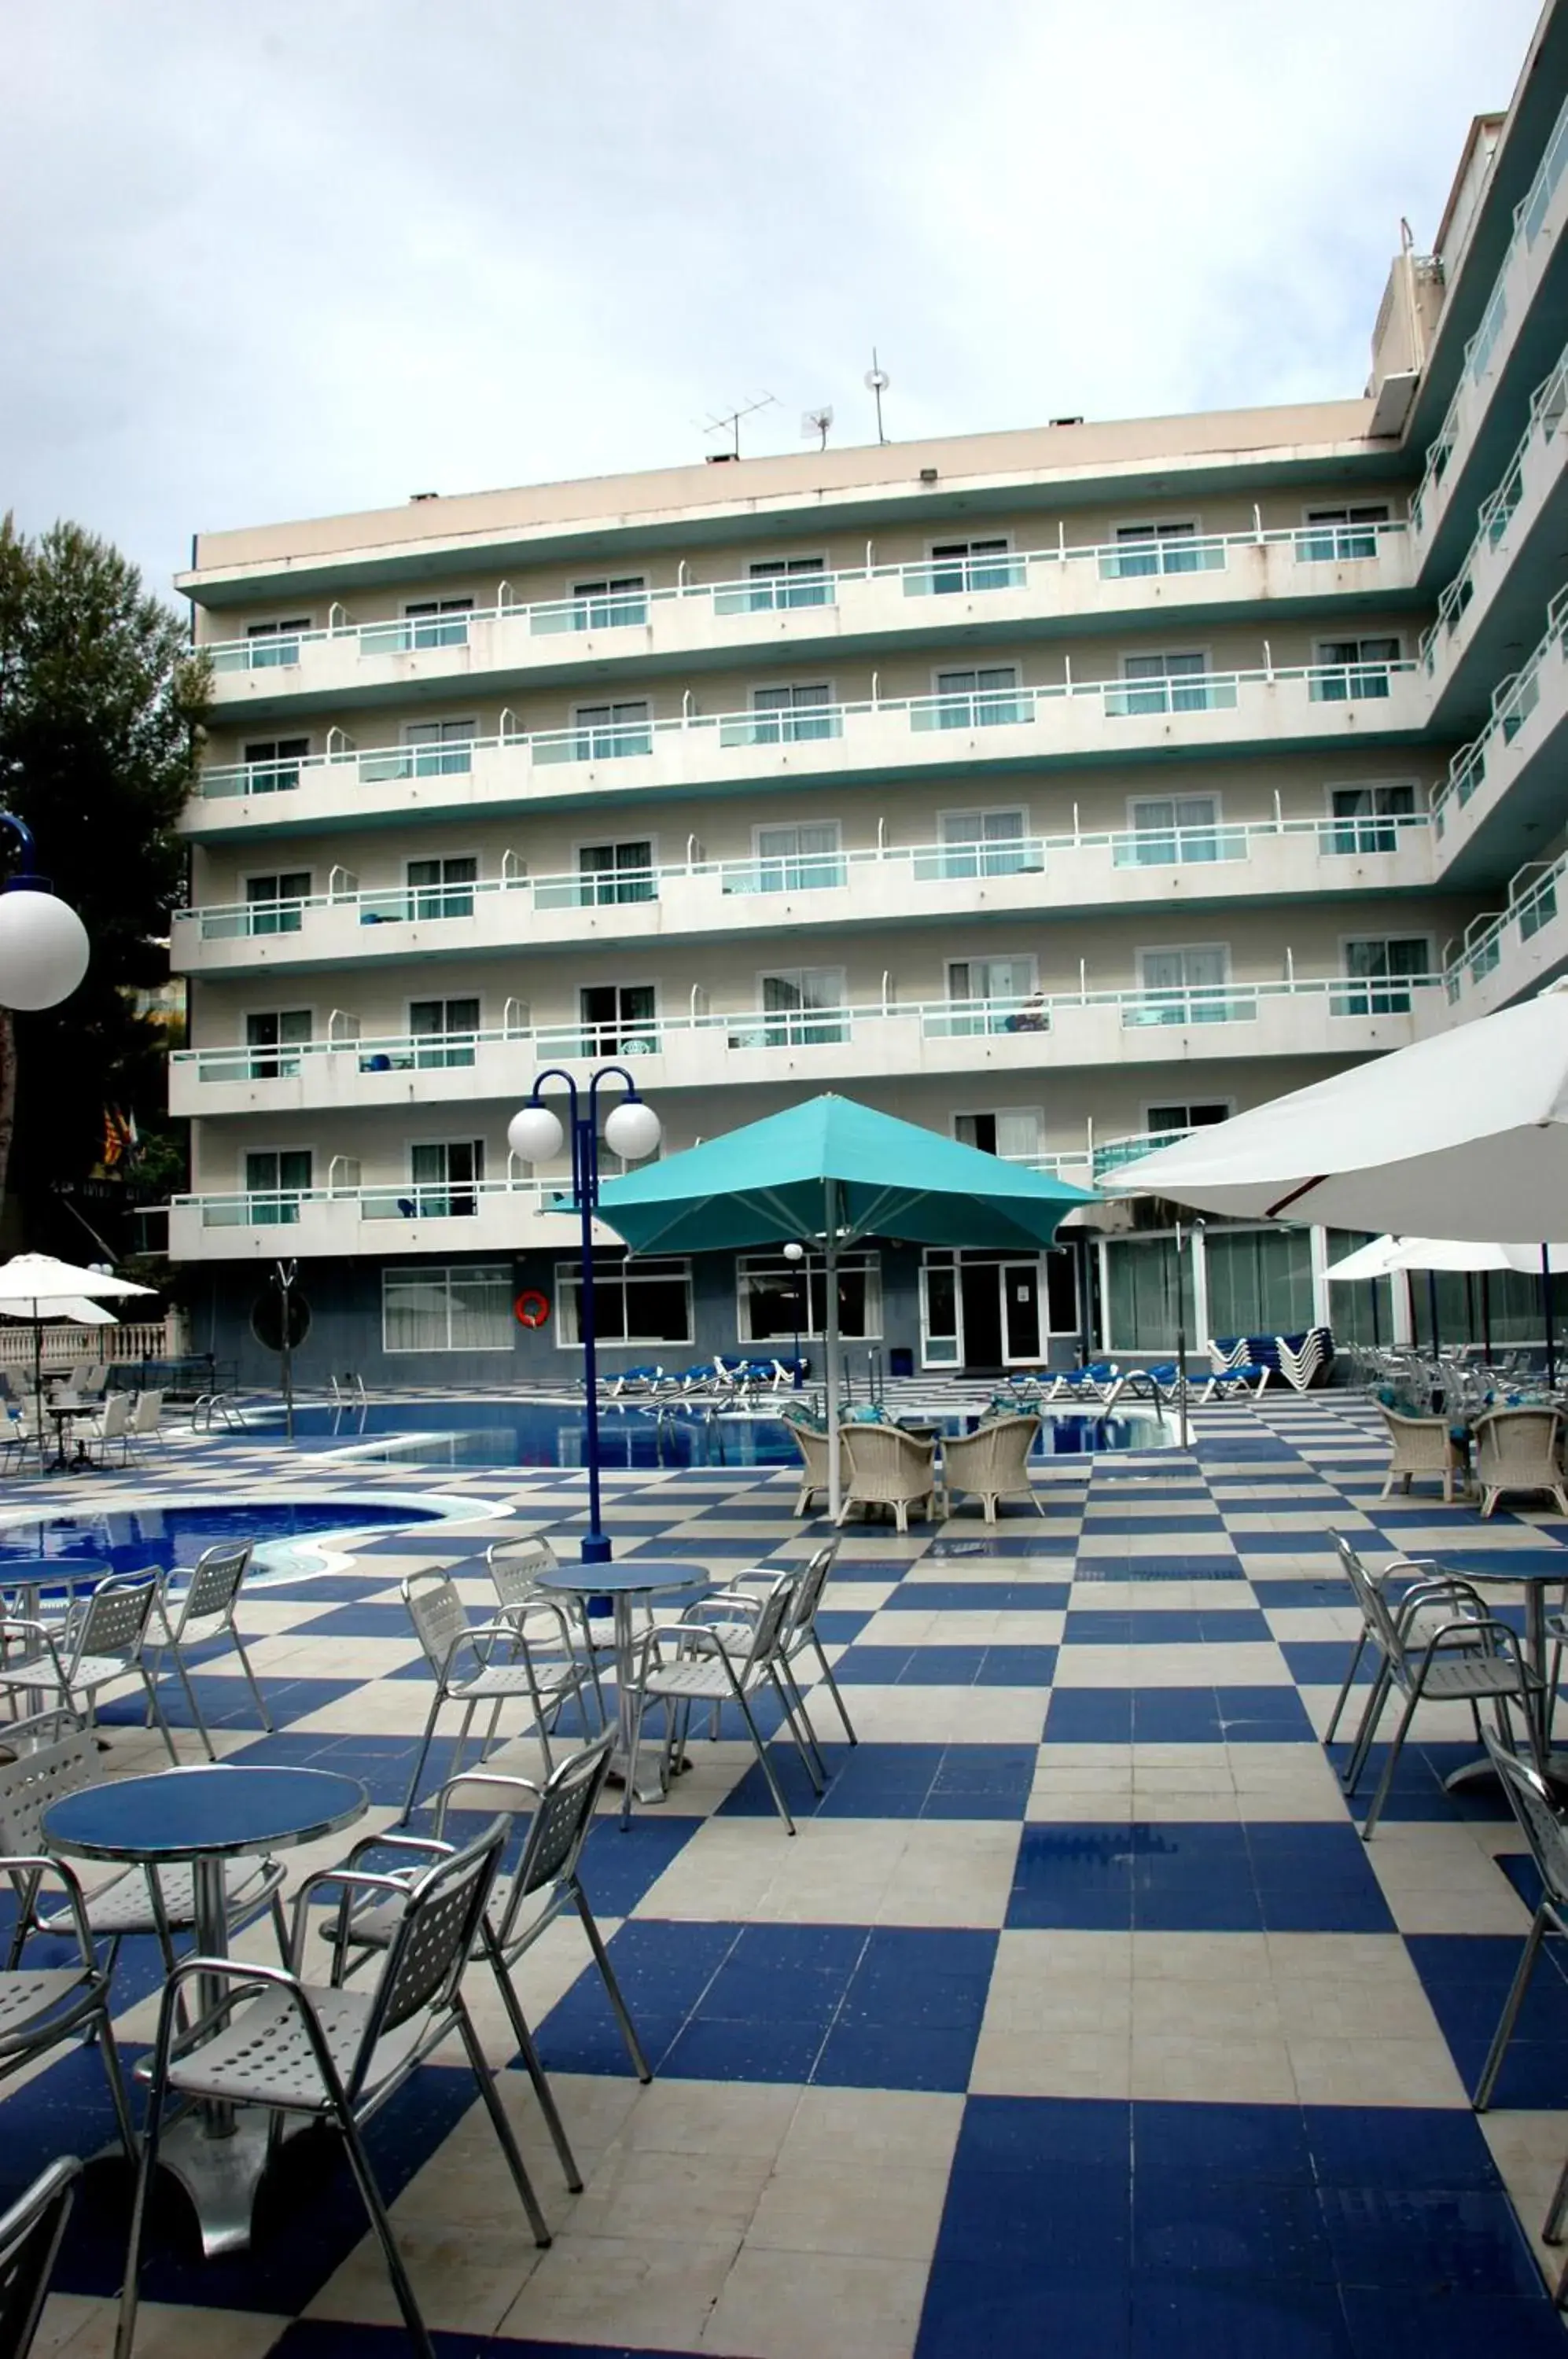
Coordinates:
633 1131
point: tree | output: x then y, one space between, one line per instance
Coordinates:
100 698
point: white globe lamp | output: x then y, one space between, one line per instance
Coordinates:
534 1134
633 1130
793 1252
44 948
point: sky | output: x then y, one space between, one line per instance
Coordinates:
262 264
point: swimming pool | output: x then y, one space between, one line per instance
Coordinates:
448 1432
292 1536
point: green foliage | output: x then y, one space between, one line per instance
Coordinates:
100 695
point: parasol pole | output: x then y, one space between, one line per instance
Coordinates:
829 1331
1546 1313
38 1380
1486 1314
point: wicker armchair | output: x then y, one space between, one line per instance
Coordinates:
993 1464
884 1468
813 1449
1517 1450
1422 1446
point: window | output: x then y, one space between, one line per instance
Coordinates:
1260 1280
1353 667
634 1301
979 699
441 888
273 904
778 1300
993 995
1168 683
967 566
611 605
617 1020
1341 534
461 1310
275 1178
440 748
985 844
274 764
443 1031
1192 1113
609 733
1170 828
1151 549
783 716
1184 986
1383 971
446 1177
438 621
1014 1133
803 1008
275 643
610 873
787 582
798 859
270 1033
1368 817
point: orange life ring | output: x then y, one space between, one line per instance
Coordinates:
531 1310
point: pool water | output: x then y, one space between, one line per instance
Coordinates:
134 1539
450 1432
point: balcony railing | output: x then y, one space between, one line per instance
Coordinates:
1547 409
1220 844
968 714
1110 1153
393 1199
1535 896
1513 702
972 577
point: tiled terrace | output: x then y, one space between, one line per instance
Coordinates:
1077 2019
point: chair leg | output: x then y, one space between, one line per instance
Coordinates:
798 1701
1371 1719
251 1680
1385 1784
420 1762
535 2070
641 2064
834 1689
640 1705
1509 2017
157 1709
370 2196
774 1787
802 1732
124 2333
1343 1696
190 1699
1551 2226
116 2079
501 2126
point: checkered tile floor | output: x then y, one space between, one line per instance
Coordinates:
1076 2018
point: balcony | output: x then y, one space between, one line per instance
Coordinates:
1506 957
513 644
504 1216
1519 332
1315 1016
1302 708
1507 783
690 901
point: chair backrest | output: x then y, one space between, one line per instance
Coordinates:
809 1585
812 1447
767 1630
1518 1439
435 1935
31 2233
894 1462
215 1582
113 1621
117 1416
437 1613
1538 1815
30 1783
81 1377
148 1413
515 1567
561 1824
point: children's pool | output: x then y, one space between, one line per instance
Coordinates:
291 1536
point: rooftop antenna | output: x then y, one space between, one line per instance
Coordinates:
877 382
727 421
817 421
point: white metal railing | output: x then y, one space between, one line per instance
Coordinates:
1513 701
596 743
1535 895
1529 215
935 577
746 1030
1548 407
1220 844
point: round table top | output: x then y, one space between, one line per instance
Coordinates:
207 1813
1525 1568
622 1580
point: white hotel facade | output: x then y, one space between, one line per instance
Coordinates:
1058 789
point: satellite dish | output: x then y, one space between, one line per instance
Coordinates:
878 380
817 421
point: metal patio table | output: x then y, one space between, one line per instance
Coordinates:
205 1816
622 1582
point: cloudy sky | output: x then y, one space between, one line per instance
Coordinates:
317 255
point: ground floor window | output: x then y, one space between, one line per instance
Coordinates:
1145 1288
1260 1280
447 1310
634 1302
778 1300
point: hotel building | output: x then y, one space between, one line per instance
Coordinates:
1060 790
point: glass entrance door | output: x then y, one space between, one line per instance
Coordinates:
1020 1313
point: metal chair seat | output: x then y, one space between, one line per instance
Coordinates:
29 1998
123 1906
1464 1676
38 1671
694 1679
502 1679
266 2055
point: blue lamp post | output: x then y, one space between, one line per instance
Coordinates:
632 1130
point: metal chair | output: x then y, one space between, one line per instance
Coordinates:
110 1430
144 1425
1418 1574
66 1666
30 2236
738 1607
521 1907
507 1666
515 1567
136 1900
40 2008
336 2055
703 1669
209 1597
1544 1830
